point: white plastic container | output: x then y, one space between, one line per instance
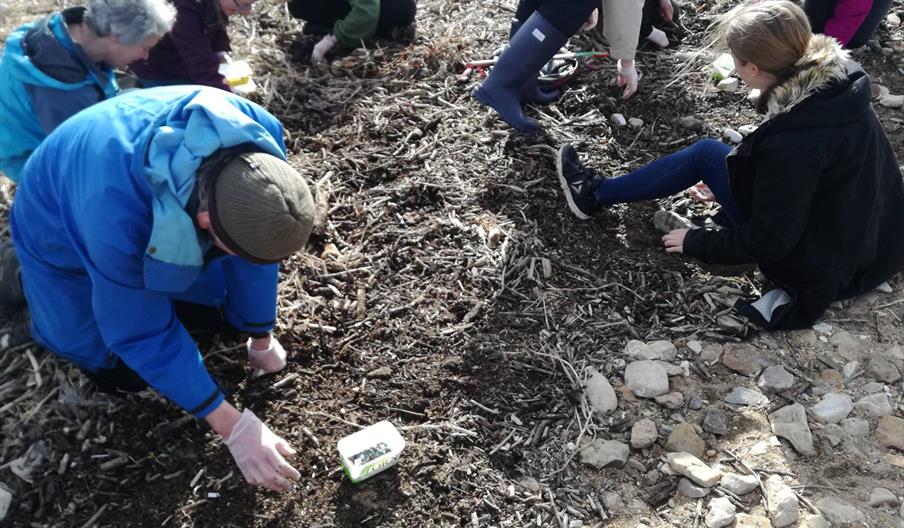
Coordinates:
371 450
723 67
238 76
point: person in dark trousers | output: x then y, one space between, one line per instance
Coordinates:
657 14
198 43
539 29
851 22
178 194
63 62
814 196
348 22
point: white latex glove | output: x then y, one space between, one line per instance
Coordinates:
627 77
318 56
259 454
223 57
591 21
270 360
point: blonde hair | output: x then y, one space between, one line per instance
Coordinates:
772 34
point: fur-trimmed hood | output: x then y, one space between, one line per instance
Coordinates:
824 62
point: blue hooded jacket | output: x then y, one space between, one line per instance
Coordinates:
109 243
45 78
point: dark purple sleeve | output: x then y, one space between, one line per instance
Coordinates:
848 16
196 50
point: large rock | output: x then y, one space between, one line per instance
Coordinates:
639 351
875 405
739 484
691 490
783 507
882 369
721 513
714 422
855 427
605 453
890 432
833 408
790 422
693 468
776 379
882 497
839 512
744 359
684 438
646 379
672 400
600 393
644 433
665 349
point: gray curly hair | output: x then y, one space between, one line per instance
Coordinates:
130 21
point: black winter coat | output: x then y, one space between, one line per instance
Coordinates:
821 189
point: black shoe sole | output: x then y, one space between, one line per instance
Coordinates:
564 184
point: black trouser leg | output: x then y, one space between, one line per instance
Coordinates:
819 12
568 15
319 12
395 14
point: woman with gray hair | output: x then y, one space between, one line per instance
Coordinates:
62 63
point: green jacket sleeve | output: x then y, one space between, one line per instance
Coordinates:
360 23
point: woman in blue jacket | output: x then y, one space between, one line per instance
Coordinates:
152 197
61 63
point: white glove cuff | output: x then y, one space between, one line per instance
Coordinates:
247 420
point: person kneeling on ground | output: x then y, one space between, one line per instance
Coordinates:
158 197
540 28
814 196
193 51
852 22
656 14
63 62
350 21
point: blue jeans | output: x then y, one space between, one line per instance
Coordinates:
703 161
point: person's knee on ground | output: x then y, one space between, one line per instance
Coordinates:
12 298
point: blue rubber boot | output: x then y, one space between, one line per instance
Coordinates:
535 42
531 91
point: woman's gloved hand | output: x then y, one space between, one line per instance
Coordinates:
259 454
591 20
266 354
318 56
627 77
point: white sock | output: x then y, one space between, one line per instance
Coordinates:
658 37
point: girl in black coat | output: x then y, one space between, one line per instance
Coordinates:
814 196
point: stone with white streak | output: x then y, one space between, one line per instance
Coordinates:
721 513
783 507
646 379
739 484
600 392
833 408
790 422
693 468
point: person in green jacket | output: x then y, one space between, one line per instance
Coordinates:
348 22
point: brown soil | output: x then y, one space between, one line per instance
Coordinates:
449 257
